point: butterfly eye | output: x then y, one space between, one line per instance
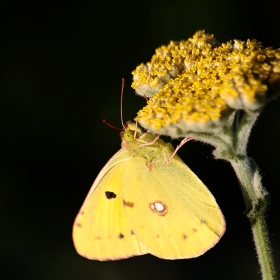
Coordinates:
128 135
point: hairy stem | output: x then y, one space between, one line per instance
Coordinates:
256 200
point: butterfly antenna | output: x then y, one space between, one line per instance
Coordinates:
122 101
110 125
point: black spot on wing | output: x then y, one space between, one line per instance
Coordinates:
121 236
110 195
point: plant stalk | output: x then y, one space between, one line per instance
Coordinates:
256 200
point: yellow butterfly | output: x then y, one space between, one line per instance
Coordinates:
142 203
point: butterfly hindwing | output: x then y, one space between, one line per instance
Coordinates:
171 210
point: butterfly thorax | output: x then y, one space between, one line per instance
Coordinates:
144 144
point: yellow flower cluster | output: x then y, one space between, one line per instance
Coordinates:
193 85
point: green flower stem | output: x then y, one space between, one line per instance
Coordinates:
256 200
263 248
231 145
244 127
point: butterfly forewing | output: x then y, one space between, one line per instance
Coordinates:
101 230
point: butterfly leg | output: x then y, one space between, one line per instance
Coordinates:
149 143
184 141
145 144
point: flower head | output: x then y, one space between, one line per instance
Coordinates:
194 85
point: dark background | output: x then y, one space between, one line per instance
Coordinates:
61 69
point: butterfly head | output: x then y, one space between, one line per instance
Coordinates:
131 132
